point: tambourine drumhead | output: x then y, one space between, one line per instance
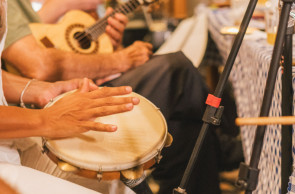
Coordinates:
141 134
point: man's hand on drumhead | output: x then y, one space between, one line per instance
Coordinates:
39 93
75 113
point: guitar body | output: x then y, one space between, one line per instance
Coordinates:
65 34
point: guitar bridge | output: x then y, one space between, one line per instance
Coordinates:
46 42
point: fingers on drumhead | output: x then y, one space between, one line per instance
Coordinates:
111 91
92 113
96 126
112 101
108 110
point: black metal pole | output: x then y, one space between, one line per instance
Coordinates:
212 114
287 104
248 175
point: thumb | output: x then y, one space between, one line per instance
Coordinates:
107 78
84 86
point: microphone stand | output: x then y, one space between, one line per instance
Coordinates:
248 175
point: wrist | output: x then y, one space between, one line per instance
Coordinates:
21 99
123 60
43 123
29 121
39 93
37 122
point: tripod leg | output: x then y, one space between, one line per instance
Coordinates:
213 113
287 104
248 175
135 179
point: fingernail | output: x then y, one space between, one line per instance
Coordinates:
135 100
128 89
129 105
113 127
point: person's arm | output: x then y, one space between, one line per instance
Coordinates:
52 10
71 115
6 188
52 64
38 92
34 61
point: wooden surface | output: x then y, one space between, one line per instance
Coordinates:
179 8
283 120
72 22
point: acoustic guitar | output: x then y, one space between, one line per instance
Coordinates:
77 31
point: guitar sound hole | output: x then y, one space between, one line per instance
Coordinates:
83 40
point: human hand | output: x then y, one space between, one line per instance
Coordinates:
116 26
39 93
134 55
75 113
107 78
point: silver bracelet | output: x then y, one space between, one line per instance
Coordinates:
22 104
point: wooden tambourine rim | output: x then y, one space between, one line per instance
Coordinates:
149 159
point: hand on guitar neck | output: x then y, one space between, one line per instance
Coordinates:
115 28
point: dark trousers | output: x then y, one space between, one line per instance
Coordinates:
174 85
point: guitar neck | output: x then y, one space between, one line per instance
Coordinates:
98 28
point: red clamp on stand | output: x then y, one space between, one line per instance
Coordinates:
213 101
213 112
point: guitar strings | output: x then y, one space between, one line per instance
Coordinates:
97 29
125 8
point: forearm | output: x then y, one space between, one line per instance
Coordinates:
101 65
51 64
51 11
55 65
34 91
13 86
93 66
19 122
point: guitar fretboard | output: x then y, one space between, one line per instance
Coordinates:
98 28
